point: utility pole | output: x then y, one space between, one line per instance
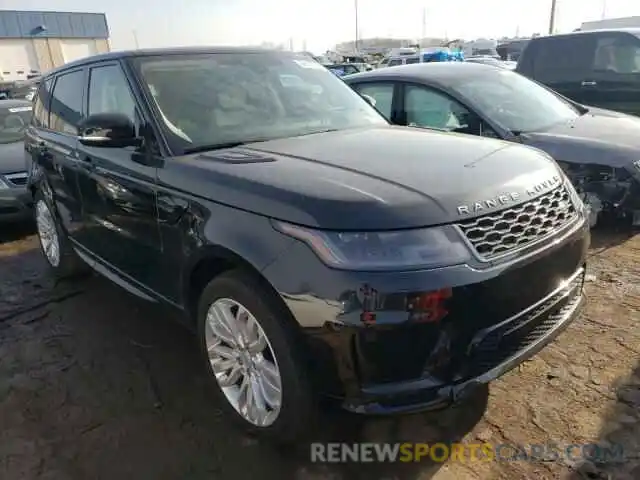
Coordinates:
356 42
135 39
604 9
552 17
424 24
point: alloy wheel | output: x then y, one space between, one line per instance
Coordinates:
243 362
48 233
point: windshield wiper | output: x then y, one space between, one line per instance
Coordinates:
315 132
223 145
214 146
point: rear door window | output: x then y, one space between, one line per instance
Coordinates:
40 117
67 102
395 61
563 58
409 60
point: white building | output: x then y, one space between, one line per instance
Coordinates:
623 22
34 42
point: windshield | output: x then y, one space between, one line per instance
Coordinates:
14 120
216 99
515 102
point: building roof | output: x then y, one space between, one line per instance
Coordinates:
34 24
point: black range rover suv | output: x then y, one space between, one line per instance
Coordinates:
314 248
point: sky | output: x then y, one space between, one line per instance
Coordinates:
319 24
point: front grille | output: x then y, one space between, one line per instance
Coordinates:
495 345
17 179
499 233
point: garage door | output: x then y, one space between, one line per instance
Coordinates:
77 49
17 59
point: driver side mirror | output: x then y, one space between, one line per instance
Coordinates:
111 130
369 99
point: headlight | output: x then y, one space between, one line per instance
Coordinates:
393 250
576 198
3 185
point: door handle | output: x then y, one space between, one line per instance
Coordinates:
589 83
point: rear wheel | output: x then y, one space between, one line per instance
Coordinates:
251 356
55 246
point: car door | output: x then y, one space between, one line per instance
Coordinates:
384 94
117 186
52 143
614 78
427 107
562 63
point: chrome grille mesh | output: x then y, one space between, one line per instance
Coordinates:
501 232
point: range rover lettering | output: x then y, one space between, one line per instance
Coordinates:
279 219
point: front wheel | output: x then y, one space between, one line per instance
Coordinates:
252 358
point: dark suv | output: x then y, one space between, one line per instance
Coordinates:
599 68
308 251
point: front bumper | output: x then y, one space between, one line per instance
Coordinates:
496 318
15 204
548 318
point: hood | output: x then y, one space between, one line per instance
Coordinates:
597 137
373 179
12 157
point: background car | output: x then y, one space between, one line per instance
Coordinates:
341 69
598 149
599 67
495 62
15 201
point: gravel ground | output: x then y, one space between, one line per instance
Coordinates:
97 384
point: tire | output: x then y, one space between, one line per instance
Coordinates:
297 411
62 260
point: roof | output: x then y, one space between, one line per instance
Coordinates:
118 55
36 24
632 31
436 72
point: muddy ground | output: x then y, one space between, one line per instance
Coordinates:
96 384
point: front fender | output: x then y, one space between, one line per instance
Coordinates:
213 231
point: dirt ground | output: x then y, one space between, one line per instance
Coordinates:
96 384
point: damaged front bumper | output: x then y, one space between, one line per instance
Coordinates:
488 357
